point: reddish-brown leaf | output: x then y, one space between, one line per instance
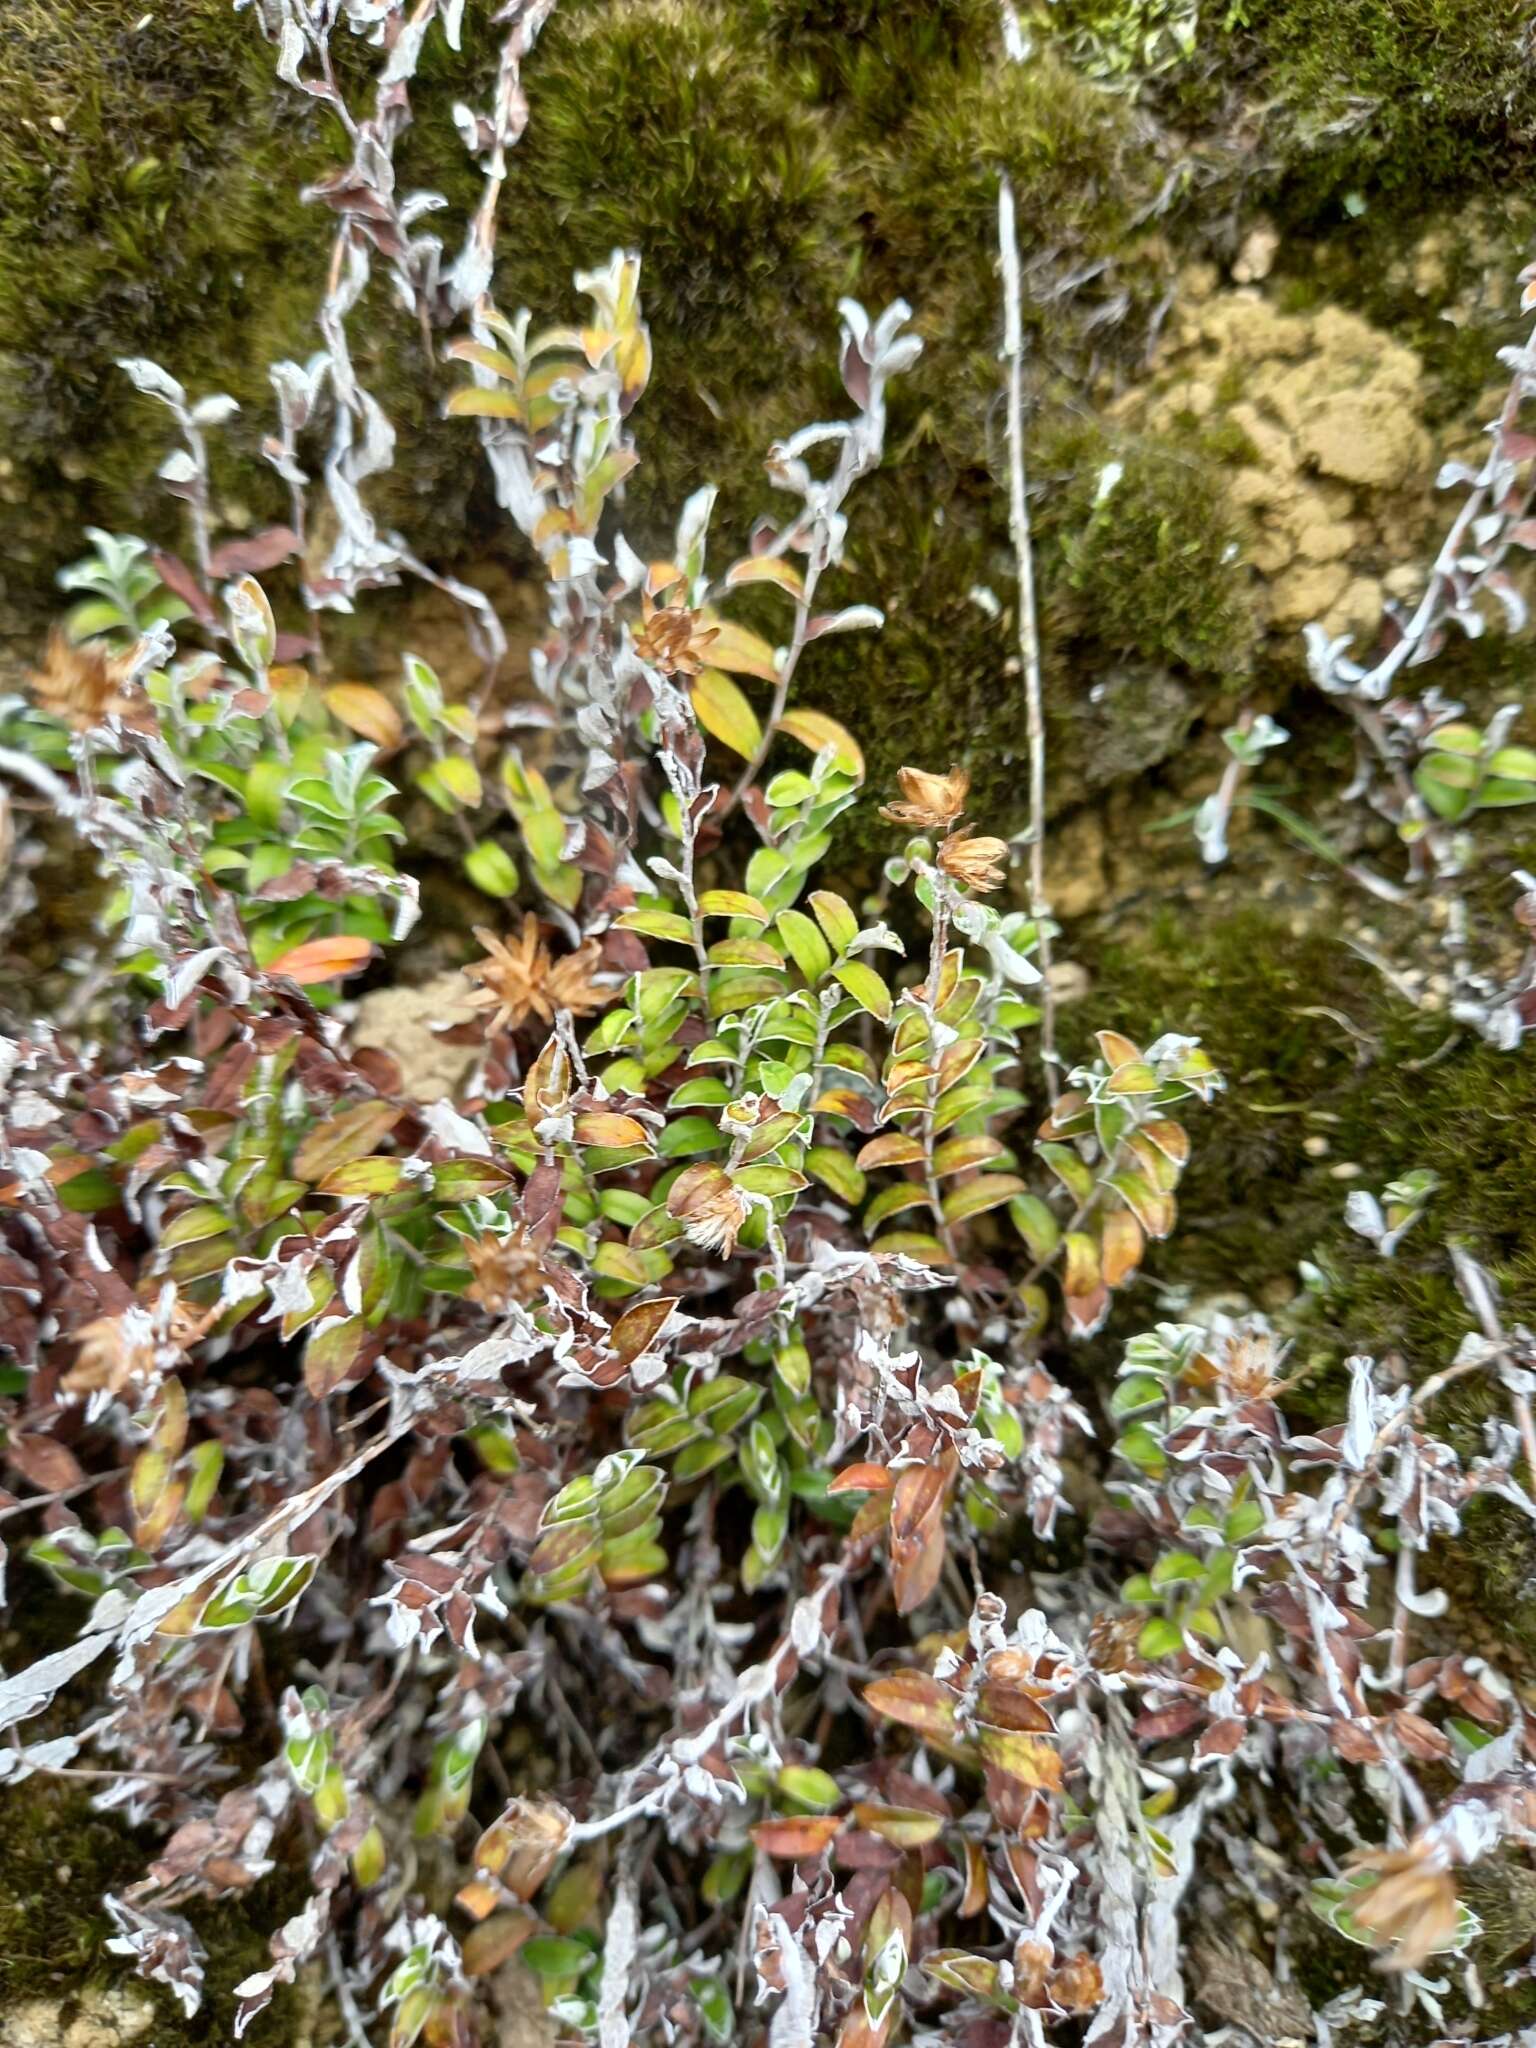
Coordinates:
917 1532
805 1835
638 1326
862 1479
915 1700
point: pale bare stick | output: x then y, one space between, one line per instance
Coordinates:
1029 627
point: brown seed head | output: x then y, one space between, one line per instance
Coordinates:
506 1270
710 1209
86 684
979 863
518 979
1411 1906
933 802
671 638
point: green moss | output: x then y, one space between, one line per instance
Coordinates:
57 1859
151 172
878 58
116 139
1081 168
1148 553
1394 98
673 128
1256 993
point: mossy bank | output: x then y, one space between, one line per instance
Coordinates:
766 156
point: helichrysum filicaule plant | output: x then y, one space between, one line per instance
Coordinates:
703 1359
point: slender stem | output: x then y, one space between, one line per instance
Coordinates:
1029 627
938 946
781 688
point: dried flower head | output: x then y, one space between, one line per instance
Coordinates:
1412 1904
131 1349
86 684
933 802
709 1207
980 863
671 638
506 1270
518 978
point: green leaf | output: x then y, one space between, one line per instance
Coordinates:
657 924
835 918
1074 1176
787 789
808 949
1137 1391
834 1169
769 1180
686 1136
866 988
732 903
1177 1568
491 868
193 1225
472 403
453 783
556 1955
1160 1637
892 1201
85 1193
1517 764
358 1177
987 1191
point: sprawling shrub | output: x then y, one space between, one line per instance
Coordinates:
622 1517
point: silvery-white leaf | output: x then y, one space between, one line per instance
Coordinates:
1009 961
1428 1602
1362 1213
177 468
878 934
692 530
852 618
445 1124
290 52
214 410
16 1764
27 1692
149 378
1360 1430
181 981
582 557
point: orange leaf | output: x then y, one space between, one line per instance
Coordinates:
890 1150
322 959
807 1835
917 1532
367 711
496 1941
815 730
608 1128
908 1827
1123 1247
739 649
916 1701
976 1888
635 1329
1025 1757
862 1479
